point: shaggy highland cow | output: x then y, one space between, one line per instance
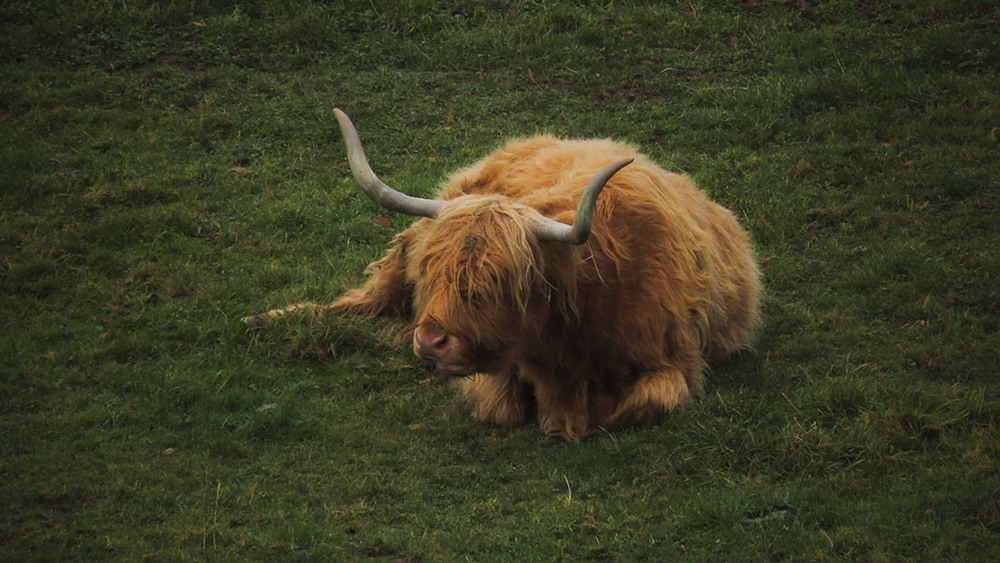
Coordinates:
606 322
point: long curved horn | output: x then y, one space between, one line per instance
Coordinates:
375 188
553 231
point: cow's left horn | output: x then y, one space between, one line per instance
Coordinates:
375 188
554 231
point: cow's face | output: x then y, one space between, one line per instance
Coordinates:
474 273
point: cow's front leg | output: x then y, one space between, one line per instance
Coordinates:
654 395
497 399
563 406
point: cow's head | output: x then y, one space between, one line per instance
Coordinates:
476 269
477 266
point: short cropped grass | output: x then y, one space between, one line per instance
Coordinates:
169 167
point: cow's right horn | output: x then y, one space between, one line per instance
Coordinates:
375 188
553 231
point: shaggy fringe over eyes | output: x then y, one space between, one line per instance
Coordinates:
480 257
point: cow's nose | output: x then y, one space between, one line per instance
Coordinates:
431 343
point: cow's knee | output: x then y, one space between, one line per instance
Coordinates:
655 395
497 399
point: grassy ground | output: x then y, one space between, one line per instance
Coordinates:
166 168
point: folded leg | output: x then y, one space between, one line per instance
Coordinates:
498 399
654 395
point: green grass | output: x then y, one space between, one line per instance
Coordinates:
166 168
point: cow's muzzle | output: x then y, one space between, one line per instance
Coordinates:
431 343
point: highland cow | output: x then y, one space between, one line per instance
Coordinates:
545 300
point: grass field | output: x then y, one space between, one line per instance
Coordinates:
167 168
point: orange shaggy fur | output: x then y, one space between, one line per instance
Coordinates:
615 331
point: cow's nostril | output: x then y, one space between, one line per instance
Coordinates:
431 344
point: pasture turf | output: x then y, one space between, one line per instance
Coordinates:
167 168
